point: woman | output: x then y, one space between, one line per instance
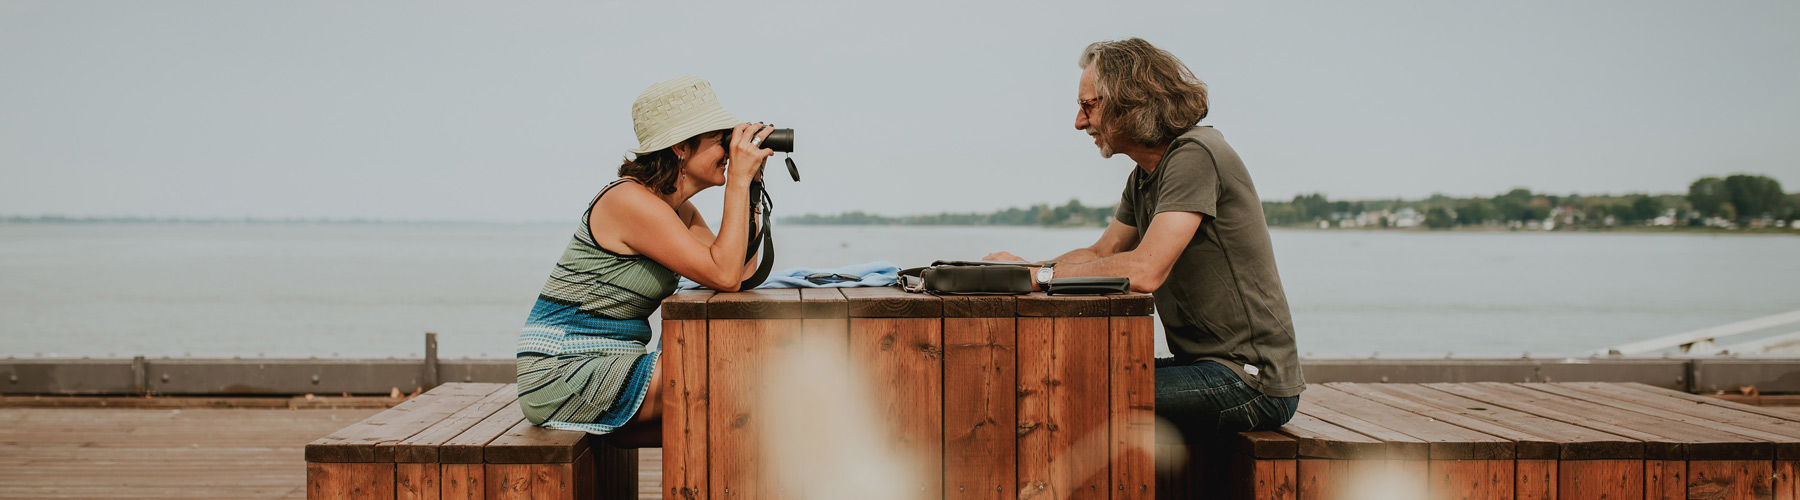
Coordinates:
581 357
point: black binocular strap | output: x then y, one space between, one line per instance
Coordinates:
760 234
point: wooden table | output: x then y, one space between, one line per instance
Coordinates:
1568 441
1005 397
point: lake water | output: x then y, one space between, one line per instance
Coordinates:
341 290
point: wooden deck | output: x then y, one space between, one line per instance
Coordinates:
235 453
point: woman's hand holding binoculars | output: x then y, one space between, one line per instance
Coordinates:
746 151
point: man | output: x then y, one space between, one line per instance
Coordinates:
1189 229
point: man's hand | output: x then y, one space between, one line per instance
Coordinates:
1002 257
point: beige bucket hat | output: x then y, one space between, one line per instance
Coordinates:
673 110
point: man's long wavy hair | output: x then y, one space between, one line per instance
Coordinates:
659 169
1147 95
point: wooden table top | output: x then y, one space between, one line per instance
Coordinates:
890 302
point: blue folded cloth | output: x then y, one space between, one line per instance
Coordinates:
878 273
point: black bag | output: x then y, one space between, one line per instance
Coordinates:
968 278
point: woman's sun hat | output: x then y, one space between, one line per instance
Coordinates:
673 110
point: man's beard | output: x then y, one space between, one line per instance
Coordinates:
1106 150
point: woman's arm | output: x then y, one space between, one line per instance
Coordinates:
659 233
697 226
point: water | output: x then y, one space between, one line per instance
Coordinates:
295 290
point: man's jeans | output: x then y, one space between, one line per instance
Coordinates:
1206 399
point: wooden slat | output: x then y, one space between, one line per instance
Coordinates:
1399 445
463 481
1323 479
371 440
1655 446
620 473
1131 304
1472 479
511 482
1526 446
1785 471
890 302
737 352
980 306
1784 434
780 303
1569 441
529 444
466 448
1132 413
1275 480
1037 304
1705 400
1583 479
979 407
349 480
1266 444
1665 479
1730 479
414 481
1535 480
423 447
684 365
1063 403
686 304
1315 438
1698 443
823 303
1446 441
905 356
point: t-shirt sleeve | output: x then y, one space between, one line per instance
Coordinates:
1191 183
1127 211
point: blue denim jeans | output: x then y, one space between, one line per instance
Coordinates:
1206 399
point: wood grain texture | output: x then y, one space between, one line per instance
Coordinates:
979 306
1654 446
373 439
1398 445
1445 441
686 304
1527 446
529 444
468 447
1571 441
777 303
1698 442
822 303
1535 480
463 481
890 302
1275 480
1266 444
1584 479
1315 438
1665 479
905 357
1132 304
736 354
416 481
1784 479
1321 479
423 447
1783 433
1730 479
1037 304
349 480
1472 479
684 400
1064 441
1132 412
510 481
979 407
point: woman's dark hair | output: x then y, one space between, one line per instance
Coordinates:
659 169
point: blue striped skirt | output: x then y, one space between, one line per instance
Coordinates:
582 372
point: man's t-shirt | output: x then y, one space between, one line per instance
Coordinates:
1223 301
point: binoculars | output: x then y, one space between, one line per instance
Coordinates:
782 140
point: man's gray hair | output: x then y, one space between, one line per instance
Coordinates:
1147 94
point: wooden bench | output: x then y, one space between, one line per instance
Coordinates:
465 441
1500 441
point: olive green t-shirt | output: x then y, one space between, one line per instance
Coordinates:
1223 300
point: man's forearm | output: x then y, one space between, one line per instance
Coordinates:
1075 256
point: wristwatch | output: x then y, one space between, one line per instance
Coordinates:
1044 273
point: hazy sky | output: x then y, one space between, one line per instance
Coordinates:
519 111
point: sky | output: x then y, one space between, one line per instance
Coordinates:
520 111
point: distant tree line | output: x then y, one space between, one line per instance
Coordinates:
1732 201
1071 214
